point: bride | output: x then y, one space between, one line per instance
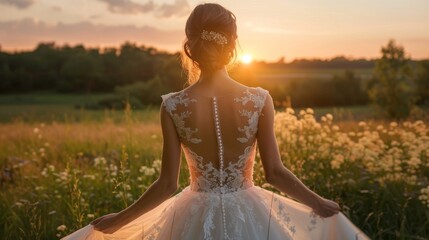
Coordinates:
219 123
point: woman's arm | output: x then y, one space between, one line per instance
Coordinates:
160 190
279 176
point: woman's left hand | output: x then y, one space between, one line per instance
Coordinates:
107 224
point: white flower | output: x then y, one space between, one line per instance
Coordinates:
99 161
157 164
309 111
147 171
61 228
51 167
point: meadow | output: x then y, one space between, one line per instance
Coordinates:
62 167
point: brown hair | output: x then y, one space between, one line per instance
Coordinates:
202 55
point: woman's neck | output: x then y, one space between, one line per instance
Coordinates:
216 83
216 78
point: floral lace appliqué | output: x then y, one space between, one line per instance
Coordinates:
258 100
170 104
207 176
284 216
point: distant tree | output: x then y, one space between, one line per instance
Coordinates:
391 85
81 73
348 89
422 83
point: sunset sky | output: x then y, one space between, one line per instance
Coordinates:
268 29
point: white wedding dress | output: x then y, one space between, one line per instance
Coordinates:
218 136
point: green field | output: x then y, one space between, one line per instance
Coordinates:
62 108
62 167
66 108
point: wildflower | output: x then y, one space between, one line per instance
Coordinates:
61 228
290 111
393 124
89 215
147 171
337 161
414 161
309 111
157 164
362 124
89 176
51 168
424 196
99 161
36 130
329 116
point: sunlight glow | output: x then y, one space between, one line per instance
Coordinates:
246 58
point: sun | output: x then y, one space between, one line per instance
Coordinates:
246 59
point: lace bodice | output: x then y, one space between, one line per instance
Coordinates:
218 136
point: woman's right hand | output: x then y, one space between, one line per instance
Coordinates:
326 208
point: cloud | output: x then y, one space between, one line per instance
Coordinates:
27 33
21 4
128 6
177 8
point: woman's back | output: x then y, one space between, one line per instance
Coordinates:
218 135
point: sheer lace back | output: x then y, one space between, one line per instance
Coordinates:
218 136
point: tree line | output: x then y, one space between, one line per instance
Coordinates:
76 69
144 73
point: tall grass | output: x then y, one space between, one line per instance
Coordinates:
57 177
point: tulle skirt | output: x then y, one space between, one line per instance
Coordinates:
250 214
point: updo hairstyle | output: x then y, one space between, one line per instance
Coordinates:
208 55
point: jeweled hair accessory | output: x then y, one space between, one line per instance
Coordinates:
214 36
